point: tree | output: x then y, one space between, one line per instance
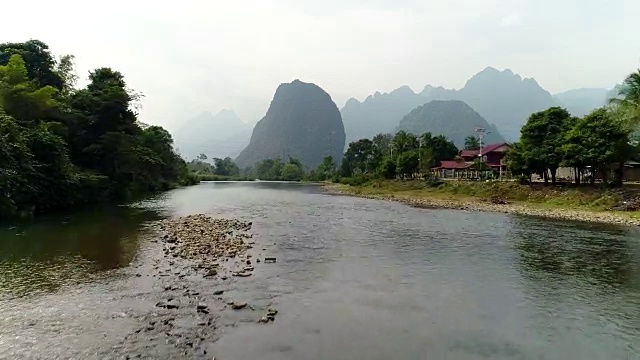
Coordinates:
408 163
291 172
597 140
404 141
628 99
442 149
326 169
383 143
226 167
361 155
387 169
541 141
19 97
516 161
202 157
40 64
65 70
60 147
471 143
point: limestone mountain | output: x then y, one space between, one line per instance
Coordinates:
501 97
220 135
451 118
301 122
580 102
378 113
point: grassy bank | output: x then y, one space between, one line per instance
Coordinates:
211 177
580 203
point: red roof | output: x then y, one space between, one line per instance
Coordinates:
485 150
452 164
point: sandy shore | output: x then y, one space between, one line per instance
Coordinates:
478 205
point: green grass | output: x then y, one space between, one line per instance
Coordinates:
538 195
210 177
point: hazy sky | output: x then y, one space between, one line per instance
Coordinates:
189 56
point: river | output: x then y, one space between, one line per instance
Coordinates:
354 279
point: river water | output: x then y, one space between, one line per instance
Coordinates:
354 279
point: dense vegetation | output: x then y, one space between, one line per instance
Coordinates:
600 142
402 155
61 146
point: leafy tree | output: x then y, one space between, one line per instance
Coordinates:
541 141
597 140
404 141
325 170
471 143
60 147
628 99
387 169
408 163
40 63
291 172
362 156
383 143
442 149
226 167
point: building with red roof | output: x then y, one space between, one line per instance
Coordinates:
492 155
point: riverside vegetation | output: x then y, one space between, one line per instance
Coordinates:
600 142
61 146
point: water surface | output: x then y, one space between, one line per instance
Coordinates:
355 279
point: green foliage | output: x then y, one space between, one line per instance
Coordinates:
276 170
541 141
471 143
362 156
326 170
387 169
60 147
408 163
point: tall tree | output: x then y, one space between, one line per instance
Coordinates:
471 143
40 63
541 141
597 140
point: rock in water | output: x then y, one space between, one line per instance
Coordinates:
302 122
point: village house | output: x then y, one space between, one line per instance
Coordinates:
463 167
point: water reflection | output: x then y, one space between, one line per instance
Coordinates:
62 250
601 255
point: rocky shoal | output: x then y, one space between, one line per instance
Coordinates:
198 259
518 209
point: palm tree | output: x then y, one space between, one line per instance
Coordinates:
628 100
471 143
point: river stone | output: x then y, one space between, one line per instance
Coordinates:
238 305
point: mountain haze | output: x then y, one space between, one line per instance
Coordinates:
378 113
301 122
220 135
451 118
580 102
502 98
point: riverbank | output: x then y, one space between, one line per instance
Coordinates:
581 204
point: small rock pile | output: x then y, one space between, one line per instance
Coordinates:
208 242
629 204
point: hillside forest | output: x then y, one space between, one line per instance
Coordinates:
63 146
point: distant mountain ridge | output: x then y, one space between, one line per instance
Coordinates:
449 118
580 102
503 98
219 135
302 122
